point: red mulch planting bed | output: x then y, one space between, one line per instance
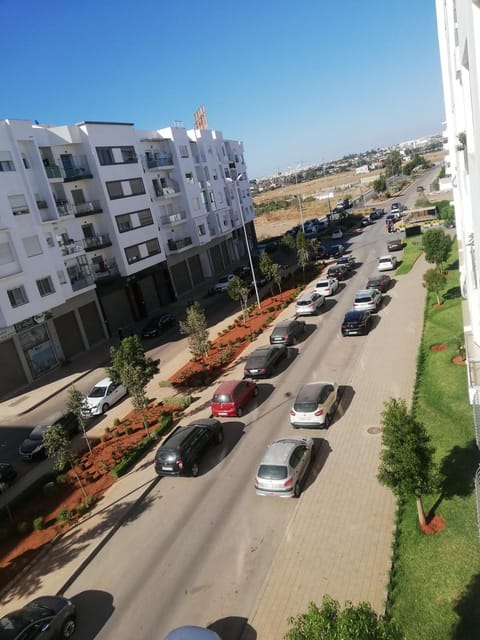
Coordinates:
434 525
438 347
17 550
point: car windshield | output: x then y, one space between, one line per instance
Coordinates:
305 406
280 331
272 472
323 284
256 361
97 392
366 297
37 433
302 303
13 623
221 397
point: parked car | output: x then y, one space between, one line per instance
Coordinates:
231 397
396 207
337 234
356 322
374 215
309 303
381 282
336 251
395 245
321 252
369 299
103 395
348 261
190 632
181 452
33 448
7 474
315 405
287 332
283 467
387 263
365 221
157 324
263 361
337 271
327 286
46 617
223 282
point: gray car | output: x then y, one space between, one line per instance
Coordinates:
367 300
309 303
47 617
283 467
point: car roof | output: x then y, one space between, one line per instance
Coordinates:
279 452
386 257
354 314
227 387
309 391
364 292
104 382
306 295
285 324
262 350
192 633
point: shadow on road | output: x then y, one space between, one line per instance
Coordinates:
94 608
233 628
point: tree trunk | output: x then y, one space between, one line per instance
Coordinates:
79 481
420 511
145 422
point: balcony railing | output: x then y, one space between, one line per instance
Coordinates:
158 161
42 204
174 218
178 245
74 246
53 171
165 192
82 282
79 210
96 242
107 269
76 168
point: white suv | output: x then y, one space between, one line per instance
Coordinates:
387 263
309 303
367 300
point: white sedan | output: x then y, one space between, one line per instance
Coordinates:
327 286
387 263
103 395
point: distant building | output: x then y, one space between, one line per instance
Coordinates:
102 224
363 169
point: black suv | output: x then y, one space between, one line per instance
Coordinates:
182 450
287 332
32 448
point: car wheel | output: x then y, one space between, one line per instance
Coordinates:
105 407
195 469
297 490
255 392
220 436
68 628
328 421
239 412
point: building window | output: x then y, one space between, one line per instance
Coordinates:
6 162
153 246
61 276
49 239
32 246
26 164
45 286
18 204
6 254
132 254
116 155
183 150
189 177
125 188
212 197
201 230
17 296
134 220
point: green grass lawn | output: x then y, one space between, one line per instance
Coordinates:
411 252
436 592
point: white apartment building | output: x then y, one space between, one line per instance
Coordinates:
459 40
101 224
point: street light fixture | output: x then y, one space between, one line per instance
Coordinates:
235 183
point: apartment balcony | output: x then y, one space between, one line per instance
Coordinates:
53 171
42 204
76 168
174 218
79 210
169 191
96 242
155 162
72 247
178 245
105 270
82 282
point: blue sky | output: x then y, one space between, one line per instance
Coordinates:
301 81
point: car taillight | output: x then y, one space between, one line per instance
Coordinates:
288 483
292 412
263 370
361 324
319 412
285 337
180 464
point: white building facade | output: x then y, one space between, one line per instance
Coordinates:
459 40
102 224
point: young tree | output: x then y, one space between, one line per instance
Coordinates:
130 367
437 246
288 243
59 448
434 281
77 403
238 290
195 327
406 461
330 622
380 184
271 271
393 164
303 253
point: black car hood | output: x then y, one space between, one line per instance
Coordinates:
28 445
54 603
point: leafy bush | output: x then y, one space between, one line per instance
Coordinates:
128 430
38 523
116 422
62 479
180 402
23 528
64 515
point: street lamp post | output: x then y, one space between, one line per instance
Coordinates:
234 182
299 202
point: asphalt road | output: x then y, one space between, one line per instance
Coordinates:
198 549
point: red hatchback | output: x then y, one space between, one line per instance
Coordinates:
231 396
